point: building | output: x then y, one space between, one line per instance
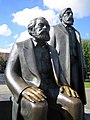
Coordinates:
4 55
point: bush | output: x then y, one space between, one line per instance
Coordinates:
2 64
86 52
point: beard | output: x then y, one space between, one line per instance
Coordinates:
70 21
42 37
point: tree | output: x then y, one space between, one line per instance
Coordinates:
2 64
86 51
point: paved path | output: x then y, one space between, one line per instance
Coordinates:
5 95
87 106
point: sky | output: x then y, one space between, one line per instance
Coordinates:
15 16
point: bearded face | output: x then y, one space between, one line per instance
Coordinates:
43 36
67 18
41 31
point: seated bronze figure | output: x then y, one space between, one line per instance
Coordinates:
34 76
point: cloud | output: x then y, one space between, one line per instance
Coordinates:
11 44
15 36
23 17
5 50
23 36
87 35
81 8
4 30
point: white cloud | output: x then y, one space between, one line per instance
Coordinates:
23 36
80 8
15 36
23 17
4 30
5 50
87 35
11 44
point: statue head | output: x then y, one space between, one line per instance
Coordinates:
39 29
66 16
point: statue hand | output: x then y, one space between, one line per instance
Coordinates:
69 91
33 94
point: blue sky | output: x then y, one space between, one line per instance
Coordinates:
16 14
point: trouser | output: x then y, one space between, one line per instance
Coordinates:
74 76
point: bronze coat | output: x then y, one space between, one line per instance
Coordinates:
60 40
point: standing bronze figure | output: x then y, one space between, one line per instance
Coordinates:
34 76
67 41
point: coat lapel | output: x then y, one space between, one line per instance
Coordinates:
64 51
30 57
62 27
55 63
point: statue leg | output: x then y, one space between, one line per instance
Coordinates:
33 111
71 107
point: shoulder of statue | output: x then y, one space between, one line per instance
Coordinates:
24 41
74 29
54 26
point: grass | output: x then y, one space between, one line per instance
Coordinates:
87 84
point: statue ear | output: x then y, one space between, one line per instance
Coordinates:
60 17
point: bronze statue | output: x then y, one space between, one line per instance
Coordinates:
67 41
34 76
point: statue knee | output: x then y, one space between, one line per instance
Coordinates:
75 103
69 102
34 111
71 105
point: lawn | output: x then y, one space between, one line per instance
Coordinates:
87 84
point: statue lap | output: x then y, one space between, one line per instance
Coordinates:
71 109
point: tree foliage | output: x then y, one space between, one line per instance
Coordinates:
86 52
2 64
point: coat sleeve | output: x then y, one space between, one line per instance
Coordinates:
13 75
81 56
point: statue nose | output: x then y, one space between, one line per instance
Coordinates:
71 14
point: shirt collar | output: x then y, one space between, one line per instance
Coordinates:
35 43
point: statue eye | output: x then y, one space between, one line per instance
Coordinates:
69 13
41 24
31 28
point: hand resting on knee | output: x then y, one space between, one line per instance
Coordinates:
34 94
70 92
